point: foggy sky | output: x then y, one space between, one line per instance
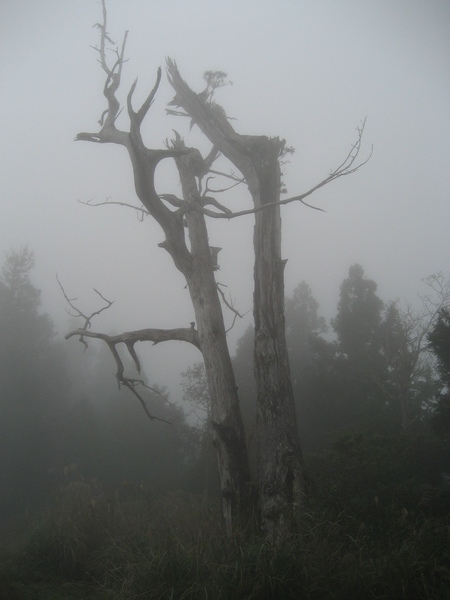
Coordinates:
307 71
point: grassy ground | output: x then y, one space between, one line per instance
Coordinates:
89 545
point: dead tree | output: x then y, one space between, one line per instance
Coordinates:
281 482
176 217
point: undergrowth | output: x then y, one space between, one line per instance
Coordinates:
392 542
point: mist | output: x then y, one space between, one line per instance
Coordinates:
324 69
308 72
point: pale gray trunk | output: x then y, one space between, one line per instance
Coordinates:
280 460
229 436
281 478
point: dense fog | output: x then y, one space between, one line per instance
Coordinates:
308 73
102 480
370 369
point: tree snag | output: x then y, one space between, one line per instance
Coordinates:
257 158
281 479
195 263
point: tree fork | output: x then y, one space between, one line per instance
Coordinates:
279 455
195 263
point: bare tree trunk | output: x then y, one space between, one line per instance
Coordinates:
279 455
229 435
280 461
257 158
195 262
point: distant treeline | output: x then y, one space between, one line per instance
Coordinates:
387 370
385 375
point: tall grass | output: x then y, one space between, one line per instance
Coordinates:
174 547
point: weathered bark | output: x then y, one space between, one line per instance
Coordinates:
280 460
229 436
279 454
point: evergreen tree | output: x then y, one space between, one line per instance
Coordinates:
358 319
439 340
362 369
409 382
32 387
383 357
302 323
311 358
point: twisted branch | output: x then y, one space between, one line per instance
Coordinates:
129 338
347 167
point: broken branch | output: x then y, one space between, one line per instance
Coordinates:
345 168
131 385
108 202
186 334
78 312
129 338
229 305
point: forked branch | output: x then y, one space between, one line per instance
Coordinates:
77 313
131 384
144 160
347 167
129 339
229 304
242 149
108 131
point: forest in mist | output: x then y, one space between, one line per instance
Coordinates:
80 458
297 443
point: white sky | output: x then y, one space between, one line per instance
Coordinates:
308 71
